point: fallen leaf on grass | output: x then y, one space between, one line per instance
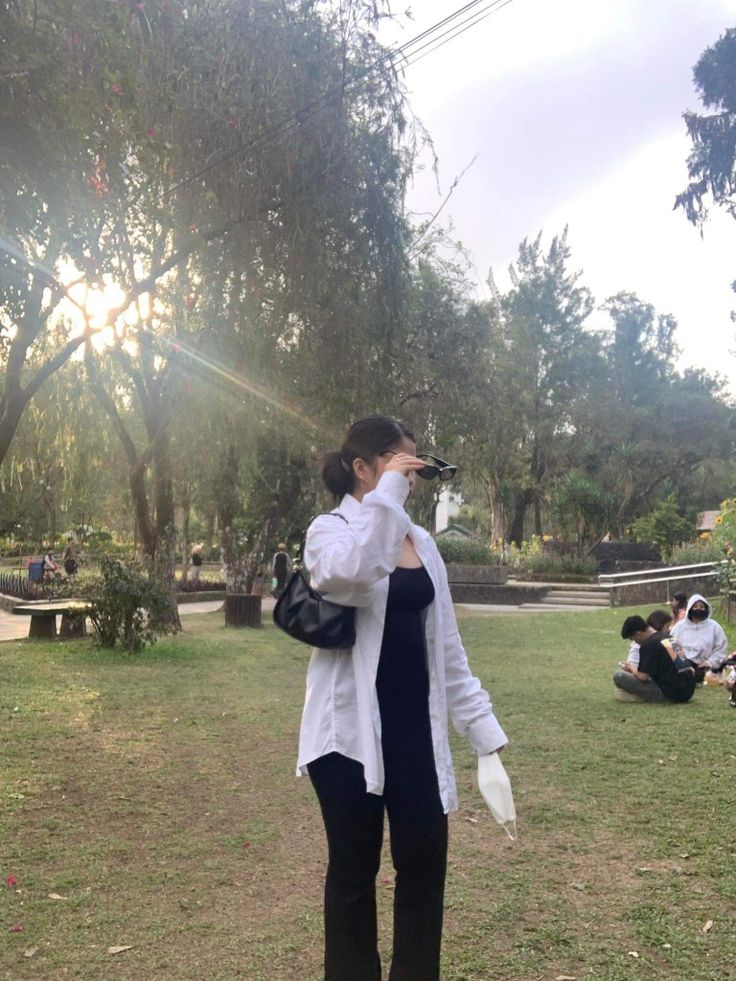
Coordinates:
633 953
30 952
707 927
667 946
16 928
566 977
55 895
472 820
119 950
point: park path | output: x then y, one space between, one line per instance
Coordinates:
16 628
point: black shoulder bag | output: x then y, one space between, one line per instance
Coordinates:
306 615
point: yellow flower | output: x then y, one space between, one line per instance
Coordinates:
719 519
705 535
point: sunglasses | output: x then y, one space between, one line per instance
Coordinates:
435 468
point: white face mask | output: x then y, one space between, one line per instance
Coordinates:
495 786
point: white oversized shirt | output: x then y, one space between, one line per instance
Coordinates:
351 562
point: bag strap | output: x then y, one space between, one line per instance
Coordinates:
327 514
335 514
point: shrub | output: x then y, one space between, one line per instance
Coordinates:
545 556
127 608
199 585
704 550
466 552
664 525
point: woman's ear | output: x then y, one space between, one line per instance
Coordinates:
362 471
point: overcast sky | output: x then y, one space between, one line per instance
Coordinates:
574 111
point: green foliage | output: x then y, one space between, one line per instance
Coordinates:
582 508
705 549
724 536
712 161
128 608
664 526
466 552
534 558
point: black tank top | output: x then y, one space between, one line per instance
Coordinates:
402 681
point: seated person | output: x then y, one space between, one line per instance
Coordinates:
730 685
659 620
679 606
701 639
661 676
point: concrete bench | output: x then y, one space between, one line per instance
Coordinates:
43 618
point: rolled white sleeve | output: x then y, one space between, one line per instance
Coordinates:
468 702
345 559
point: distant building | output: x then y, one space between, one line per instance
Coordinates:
707 520
454 531
448 507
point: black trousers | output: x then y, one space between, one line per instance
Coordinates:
354 825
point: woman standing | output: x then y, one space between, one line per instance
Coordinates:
374 728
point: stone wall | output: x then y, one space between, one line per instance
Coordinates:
503 595
490 574
659 593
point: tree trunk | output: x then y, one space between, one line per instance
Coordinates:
209 530
186 506
234 561
516 531
165 556
538 529
498 511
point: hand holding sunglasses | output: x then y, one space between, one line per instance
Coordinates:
435 468
424 465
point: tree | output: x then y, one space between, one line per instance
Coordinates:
582 508
649 426
712 162
664 526
542 359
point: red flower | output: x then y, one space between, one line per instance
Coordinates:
11 881
152 132
116 88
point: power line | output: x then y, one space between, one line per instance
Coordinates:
455 31
286 125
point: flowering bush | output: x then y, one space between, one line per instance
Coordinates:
724 535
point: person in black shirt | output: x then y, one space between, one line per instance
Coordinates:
281 569
662 676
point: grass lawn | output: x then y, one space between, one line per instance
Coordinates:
150 803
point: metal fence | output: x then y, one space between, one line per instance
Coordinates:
19 586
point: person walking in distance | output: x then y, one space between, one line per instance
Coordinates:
374 734
280 568
196 561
